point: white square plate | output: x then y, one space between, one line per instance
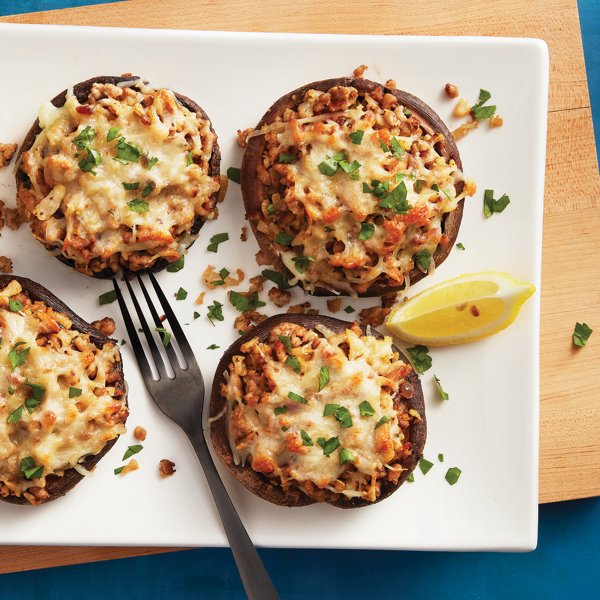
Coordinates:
488 428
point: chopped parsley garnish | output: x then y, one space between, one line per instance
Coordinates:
385 147
196 315
286 341
491 206
366 410
29 469
118 470
14 305
306 441
285 239
479 110
356 137
349 309
425 466
134 185
279 410
131 450
212 347
181 294
37 390
323 377
215 240
349 167
285 428
581 335
367 230
329 409
441 457
148 189
331 165
15 415
107 297
420 358
423 259
189 158
139 206
396 199
271 209
397 149
279 279
165 335
381 421
223 274
176 265
343 416
296 398
113 133
215 311
419 185
234 174
452 475
460 246
287 159
31 404
377 188
84 139
245 303
302 262
411 478
11 390
293 363
346 456
91 160
444 395
16 356
151 162
74 392
127 152
328 445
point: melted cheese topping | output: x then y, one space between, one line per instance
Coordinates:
283 438
84 211
351 235
56 427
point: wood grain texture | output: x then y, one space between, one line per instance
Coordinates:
570 382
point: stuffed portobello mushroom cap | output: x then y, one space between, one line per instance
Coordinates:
115 410
408 397
272 200
121 181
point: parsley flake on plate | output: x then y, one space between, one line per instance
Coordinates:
491 206
444 395
420 358
234 174
245 302
217 239
131 450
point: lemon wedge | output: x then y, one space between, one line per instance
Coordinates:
460 310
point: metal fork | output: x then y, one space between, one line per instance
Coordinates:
182 400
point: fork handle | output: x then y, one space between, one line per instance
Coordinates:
256 580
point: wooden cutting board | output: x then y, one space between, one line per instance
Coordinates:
570 379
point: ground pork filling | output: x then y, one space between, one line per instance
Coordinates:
120 179
323 412
356 190
61 397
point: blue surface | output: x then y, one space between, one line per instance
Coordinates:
566 564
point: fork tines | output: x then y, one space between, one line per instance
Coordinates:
151 333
